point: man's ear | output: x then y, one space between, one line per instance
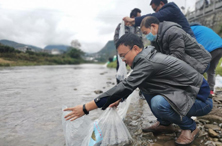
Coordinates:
161 3
136 48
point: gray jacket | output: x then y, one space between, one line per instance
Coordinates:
173 40
159 74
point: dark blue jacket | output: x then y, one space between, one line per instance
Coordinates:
169 12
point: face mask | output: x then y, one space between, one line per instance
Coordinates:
151 37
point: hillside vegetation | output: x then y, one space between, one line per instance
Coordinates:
12 57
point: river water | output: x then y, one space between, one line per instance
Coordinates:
31 99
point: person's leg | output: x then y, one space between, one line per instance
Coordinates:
200 108
216 55
160 126
166 113
148 99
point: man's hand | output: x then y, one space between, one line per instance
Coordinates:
76 113
115 104
128 20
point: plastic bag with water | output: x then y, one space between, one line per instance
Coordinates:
122 71
75 131
107 130
113 130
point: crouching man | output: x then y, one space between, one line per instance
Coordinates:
173 89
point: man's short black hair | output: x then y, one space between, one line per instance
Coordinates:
148 20
157 2
130 39
134 12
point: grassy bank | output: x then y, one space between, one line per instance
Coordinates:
29 60
218 69
11 57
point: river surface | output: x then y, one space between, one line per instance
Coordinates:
31 99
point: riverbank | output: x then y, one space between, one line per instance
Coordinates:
5 62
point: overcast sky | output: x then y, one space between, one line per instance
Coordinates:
51 22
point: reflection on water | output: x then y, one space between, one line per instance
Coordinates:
32 98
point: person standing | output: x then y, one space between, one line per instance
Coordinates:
128 29
212 42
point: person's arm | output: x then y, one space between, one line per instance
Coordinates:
166 14
129 20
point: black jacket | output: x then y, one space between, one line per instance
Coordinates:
169 12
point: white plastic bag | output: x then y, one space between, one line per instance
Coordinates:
75 131
107 130
122 71
218 81
113 130
123 106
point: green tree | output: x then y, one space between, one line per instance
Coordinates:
75 53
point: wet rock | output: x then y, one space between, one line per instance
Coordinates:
212 118
139 132
75 89
209 143
164 137
169 143
211 126
215 123
201 127
103 73
220 139
135 117
148 135
215 139
154 144
133 123
98 91
108 82
212 133
204 121
203 134
220 125
218 143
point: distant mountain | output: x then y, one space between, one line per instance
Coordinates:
18 45
59 47
109 50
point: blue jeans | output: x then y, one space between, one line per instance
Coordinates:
166 115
